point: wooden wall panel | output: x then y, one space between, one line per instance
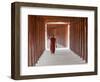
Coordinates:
61 34
31 46
78 37
36 39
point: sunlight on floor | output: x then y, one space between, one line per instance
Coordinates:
61 57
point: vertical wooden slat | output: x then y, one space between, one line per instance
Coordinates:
36 47
85 40
78 37
82 38
30 41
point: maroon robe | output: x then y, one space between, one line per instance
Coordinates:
52 44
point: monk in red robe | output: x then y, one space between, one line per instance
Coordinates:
52 44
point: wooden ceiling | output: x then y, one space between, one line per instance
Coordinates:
61 19
67 20
57 25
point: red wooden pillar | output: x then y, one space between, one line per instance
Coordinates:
36 43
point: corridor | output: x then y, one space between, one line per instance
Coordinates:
61 57
70 34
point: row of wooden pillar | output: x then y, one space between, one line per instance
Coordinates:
36 34
78 37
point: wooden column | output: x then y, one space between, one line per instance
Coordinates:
78 37
36 41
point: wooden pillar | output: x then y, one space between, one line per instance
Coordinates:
36 40
31 46
78 37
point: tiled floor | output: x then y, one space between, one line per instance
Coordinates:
61 57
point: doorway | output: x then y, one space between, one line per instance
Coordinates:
61 32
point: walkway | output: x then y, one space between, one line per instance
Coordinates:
61 57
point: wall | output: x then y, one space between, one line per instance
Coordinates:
5 41
78 37
61 33
36 39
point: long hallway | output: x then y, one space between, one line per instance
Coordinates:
61 57
69 34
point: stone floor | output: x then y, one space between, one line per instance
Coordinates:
61 57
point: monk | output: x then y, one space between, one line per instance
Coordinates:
52 44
